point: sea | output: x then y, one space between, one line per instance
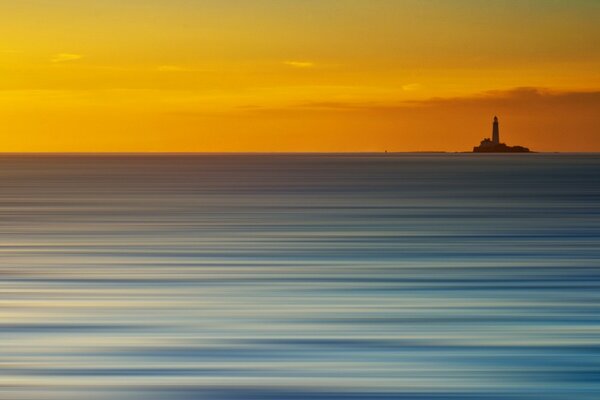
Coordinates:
300 276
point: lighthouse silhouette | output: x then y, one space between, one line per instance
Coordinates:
496 132
493 145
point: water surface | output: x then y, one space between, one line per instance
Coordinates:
446 276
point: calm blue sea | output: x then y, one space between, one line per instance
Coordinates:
247 277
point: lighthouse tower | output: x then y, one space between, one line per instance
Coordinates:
496 132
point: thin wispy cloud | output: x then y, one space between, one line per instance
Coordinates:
515 100
411 87
299 64
66 57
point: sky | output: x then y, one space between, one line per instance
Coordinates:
298 75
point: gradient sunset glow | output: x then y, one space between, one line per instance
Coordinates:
288 75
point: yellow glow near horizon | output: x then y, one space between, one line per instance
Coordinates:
282 75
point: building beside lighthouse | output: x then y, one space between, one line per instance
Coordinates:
493 145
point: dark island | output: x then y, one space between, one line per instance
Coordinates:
493 145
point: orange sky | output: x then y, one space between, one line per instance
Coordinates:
287 75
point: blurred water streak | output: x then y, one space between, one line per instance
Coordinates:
447 276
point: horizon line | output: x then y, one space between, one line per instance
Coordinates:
4 153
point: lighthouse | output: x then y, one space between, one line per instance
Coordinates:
496 132
493 145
